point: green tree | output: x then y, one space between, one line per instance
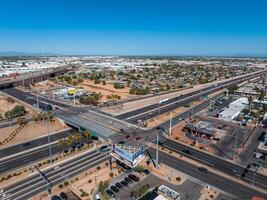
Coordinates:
17 111
87 135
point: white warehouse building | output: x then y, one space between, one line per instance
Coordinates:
234 109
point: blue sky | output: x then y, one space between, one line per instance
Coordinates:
135 27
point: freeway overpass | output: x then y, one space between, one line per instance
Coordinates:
32 78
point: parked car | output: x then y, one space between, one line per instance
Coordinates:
55 197
114 189
119 185
146 171
124 183
63 195
128 180
110 193
133 177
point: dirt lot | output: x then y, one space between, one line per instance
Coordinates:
105 90
5 106
45 85
29 132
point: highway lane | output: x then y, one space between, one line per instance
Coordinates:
216 180
31 156
31 99
215 162
11 150
34 184
142 113
28 158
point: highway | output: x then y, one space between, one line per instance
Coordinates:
33 78
109 128
14 149
170 104
211 178
215 162
35 184
31 99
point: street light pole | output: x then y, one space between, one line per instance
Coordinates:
234 155
48 134
170 129
8 112
253 180
157 153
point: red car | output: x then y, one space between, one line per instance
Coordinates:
127 136
138 138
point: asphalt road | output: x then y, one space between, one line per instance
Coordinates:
211 178
11 150
31 99
152 110
35 184
217 163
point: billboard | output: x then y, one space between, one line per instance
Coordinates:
123 153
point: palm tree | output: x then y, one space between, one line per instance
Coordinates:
78 138
61 143
87 135
70 140
249 102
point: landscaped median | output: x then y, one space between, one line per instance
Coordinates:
10 177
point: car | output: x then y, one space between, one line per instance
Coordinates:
63 195
94 137
119 185
258 155
121 142
186 151
55 197
203 169
133 177
104 148
138 138
97 197
128 180
146 171
26 144
127 136
110 193
114 189
124 183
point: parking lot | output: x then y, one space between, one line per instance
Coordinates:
188 190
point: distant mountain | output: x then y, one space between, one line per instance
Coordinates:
16 53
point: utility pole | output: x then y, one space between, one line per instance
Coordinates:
254 175
37 100
158 104
170 129
157 153
49 183
234 155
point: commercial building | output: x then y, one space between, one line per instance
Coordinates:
202 127
234 109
